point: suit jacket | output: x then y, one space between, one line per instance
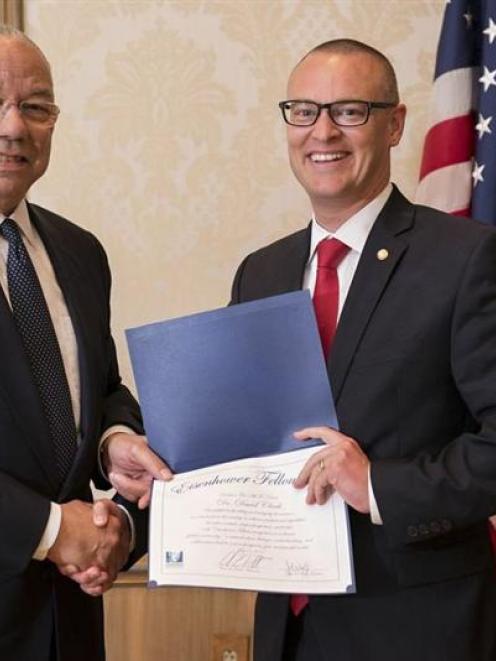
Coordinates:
413 374
35 599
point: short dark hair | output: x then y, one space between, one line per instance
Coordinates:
347 46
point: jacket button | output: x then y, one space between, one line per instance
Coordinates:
412 531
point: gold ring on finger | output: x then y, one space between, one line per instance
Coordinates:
322 465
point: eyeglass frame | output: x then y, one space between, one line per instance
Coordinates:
328 106
53 107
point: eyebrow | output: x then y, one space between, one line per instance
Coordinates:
41 91
44 93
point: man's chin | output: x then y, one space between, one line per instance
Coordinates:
9 199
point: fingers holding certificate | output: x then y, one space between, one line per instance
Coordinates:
341 465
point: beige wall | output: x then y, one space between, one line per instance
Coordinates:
170 146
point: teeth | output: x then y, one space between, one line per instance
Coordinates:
321 158
11 159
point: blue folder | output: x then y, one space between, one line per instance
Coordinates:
231 383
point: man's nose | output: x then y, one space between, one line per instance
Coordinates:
324 128
12 124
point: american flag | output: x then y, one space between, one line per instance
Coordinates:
458 170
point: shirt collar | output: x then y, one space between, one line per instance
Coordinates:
355 231
21 216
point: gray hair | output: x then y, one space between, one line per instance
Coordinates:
10 32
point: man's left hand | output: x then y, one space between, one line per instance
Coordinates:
340 466
132 466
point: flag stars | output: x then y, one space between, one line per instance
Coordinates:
490 31
469 18
483 125
488 78
477 173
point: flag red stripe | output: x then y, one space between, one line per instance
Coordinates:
448 142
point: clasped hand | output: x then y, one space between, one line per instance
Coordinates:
92 544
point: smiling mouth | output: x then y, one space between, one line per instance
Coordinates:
9 159
325 157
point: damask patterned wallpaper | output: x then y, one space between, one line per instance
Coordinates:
170 146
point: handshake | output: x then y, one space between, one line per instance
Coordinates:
93 542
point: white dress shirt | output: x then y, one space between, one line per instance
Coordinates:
354 233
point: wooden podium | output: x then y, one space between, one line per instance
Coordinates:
176 624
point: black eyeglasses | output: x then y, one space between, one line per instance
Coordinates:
300 112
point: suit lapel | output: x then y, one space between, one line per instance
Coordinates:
286 269
294 268
389 233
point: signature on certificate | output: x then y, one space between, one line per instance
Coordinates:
297 568
240 559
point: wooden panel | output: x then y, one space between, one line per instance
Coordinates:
230 647
176 624
11 13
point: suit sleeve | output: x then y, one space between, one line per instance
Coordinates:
455 489
119 406
23 517
236 286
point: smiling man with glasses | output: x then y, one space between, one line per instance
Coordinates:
405 300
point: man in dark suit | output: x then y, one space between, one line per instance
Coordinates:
60 395
413 372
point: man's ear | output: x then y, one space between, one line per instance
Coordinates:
397 124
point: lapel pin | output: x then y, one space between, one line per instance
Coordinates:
382 254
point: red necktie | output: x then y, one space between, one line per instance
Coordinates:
330 253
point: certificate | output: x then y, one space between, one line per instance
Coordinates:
243 525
